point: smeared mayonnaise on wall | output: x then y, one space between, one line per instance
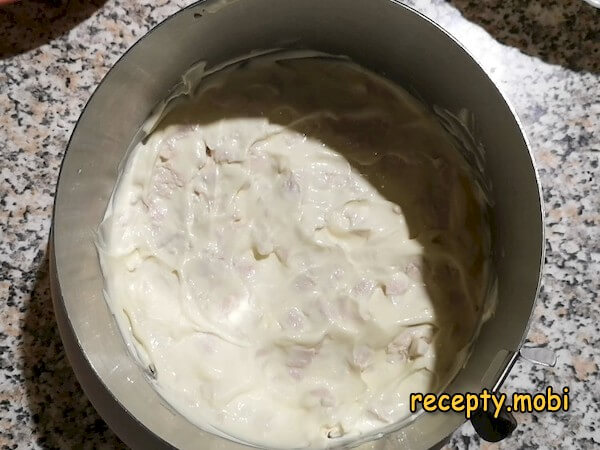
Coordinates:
295 249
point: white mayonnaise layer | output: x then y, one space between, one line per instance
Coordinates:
293 251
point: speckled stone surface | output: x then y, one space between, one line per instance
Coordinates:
545 56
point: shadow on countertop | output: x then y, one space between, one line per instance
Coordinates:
29 24
62 416
563 32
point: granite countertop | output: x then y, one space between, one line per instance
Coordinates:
544 55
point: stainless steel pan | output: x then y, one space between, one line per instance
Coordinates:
382 35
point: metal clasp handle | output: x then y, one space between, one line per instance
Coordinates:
494 429
539 356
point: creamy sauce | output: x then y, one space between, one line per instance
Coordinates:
294 250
